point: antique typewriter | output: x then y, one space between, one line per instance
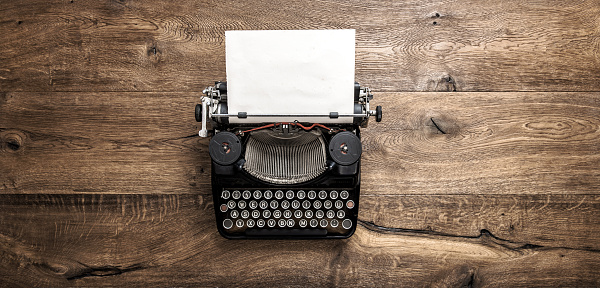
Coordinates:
284 179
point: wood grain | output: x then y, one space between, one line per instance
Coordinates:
462 45
492 143
117 240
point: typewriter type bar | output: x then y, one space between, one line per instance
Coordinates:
297 180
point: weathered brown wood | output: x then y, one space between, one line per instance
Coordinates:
118 240
492 143
462 45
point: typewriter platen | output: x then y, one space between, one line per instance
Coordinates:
284 179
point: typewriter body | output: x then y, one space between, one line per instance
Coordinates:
284 179
285 135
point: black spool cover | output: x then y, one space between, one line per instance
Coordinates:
345 148
198 113
225 148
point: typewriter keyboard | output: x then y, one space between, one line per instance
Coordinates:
303 213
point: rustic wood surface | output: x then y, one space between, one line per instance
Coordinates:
484 171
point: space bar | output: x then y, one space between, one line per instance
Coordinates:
286 232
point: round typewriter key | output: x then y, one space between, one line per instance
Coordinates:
327 204
314 223
263 204
308 214
257 194
268 194
334 223
350 204
295 204
245 214
289 194
345 148
266 213
285 204
239 223
242 204
298 214
333 194
303 223
322 194
301 194
227 223
274 204
231 204
225 194
317 204
250 223
279 194
312 194
344 194
282 223
253 204
339 204
287 214
341 214
291 223
330 214
255 214
225 148
260 223
223 207
234 214
246 194
347 224
277 214
324 223
271 223
319 214
305 204
236 194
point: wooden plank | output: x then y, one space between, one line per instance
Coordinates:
462 45
171 240
492 143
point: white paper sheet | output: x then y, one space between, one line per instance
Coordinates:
290 72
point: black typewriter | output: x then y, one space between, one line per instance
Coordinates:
284 179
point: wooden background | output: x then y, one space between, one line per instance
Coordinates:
104 182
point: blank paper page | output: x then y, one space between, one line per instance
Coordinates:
290 72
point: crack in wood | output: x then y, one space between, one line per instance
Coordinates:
483 234
103 271
436 126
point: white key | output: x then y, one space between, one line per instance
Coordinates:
257 194
308 214
312 194
231 204
253 204
319 214
264 205
322 194
260 223
298 214
236 194
234 214
287 214
339 204
274 204
324 223
344 194
255 214
277 214
246 194
341 214
295 204
303 223
289 194
314 223
334 223
305 204
239 223
291 223
317 204
282 223
333 194
268 194
242 204
327 204
278 194
285 204
266 213
225 194
330 214
301 194
271 223
245 214
250 223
